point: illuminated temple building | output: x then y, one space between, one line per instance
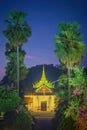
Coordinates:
43 97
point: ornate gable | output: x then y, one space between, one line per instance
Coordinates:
43 89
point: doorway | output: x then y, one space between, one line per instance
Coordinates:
44 106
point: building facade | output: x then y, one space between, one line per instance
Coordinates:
43 97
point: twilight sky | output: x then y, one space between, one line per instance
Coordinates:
43 17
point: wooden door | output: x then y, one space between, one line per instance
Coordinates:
43 106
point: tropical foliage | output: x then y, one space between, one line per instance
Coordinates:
69 47
77 108
62 85
9 100
18 30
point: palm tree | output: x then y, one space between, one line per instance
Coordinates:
11 56
17 33
69 47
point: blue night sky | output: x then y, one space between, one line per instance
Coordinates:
43 17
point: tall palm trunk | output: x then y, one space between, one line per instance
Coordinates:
18 69
68 73
68 78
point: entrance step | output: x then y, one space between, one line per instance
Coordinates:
43 114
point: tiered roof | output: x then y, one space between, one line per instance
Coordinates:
43 81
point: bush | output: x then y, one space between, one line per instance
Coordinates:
60 122
23 121
9 100
66 124
9 119
18 121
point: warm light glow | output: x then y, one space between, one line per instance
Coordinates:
41 103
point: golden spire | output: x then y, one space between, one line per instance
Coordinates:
43 77
43 80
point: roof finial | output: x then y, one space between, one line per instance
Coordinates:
43 77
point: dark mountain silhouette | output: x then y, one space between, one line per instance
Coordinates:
52 73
